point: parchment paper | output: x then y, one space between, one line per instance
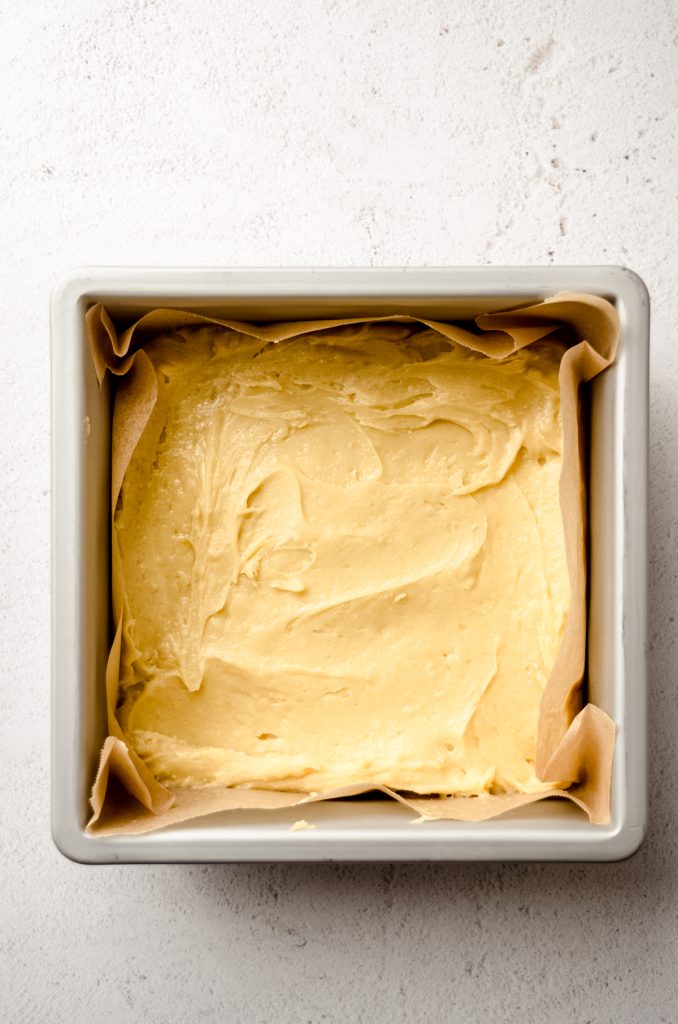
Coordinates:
575 740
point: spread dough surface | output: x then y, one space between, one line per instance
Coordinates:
342 561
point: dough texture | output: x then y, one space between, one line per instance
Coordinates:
342 561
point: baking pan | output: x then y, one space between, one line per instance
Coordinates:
365 829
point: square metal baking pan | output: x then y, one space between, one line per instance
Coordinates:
366 829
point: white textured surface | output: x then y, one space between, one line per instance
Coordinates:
323 132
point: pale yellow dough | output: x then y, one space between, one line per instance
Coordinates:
342 561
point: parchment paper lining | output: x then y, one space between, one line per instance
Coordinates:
575 741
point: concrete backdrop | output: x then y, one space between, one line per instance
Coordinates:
316 132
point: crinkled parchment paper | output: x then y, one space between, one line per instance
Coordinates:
575 740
